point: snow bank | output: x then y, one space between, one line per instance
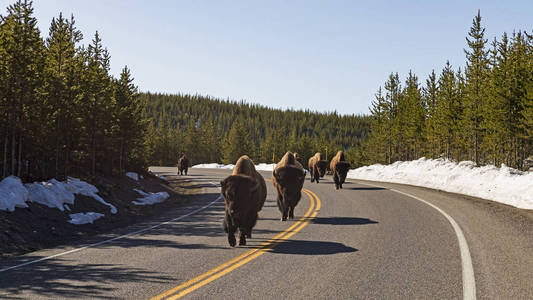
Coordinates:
265 167
150 198
12 194
133 175
504 185
52 193
84 218
213 166
77 186
259 167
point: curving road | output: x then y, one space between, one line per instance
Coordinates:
367 241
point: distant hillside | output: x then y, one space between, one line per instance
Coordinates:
214 130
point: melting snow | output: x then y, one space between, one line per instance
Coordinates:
52 193
150 198
12 194
84 218
504 185
259 167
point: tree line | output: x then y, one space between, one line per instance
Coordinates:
482 113
214 130
62 113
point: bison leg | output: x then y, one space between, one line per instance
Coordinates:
230 229
185 171
285 213
242 238
291 212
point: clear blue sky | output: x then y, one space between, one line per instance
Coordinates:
318 55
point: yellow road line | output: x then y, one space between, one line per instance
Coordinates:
246 257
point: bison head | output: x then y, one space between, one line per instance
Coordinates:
238 193
322 167
290 182
342 168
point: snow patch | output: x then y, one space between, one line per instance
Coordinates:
52 193
133 175
84 218
12 193
265 167
505 185
77 186
150 198
259 167
213 166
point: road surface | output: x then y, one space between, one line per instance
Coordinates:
367 241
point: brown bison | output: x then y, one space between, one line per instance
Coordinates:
288 178
183 165
244 193
339 167
317 167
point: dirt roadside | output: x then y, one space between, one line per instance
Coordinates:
38 226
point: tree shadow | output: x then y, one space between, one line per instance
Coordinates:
343 221
60 278
301 247
368 189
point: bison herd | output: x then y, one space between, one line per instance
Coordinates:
244 191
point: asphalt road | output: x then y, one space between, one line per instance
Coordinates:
362 242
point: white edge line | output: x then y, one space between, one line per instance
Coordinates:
113 239
469 282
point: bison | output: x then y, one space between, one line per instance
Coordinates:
288 178
339 167
317 167
183 165
244 193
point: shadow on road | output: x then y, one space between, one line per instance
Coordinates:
55 278
301 247
367 189
343 221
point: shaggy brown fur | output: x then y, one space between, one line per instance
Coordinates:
244 193
317 167
339 167
183 165
288 178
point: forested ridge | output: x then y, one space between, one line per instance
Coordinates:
482 113
214 130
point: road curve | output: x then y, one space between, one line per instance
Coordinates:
362 242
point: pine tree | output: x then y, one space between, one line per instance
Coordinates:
128 121
237 143
414 117
97 103
448 112
477 70
430 99
23 63
378 127
62 86
394 127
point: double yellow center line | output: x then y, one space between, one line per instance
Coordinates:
223 269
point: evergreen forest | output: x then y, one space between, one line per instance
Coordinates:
482 112
62 113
